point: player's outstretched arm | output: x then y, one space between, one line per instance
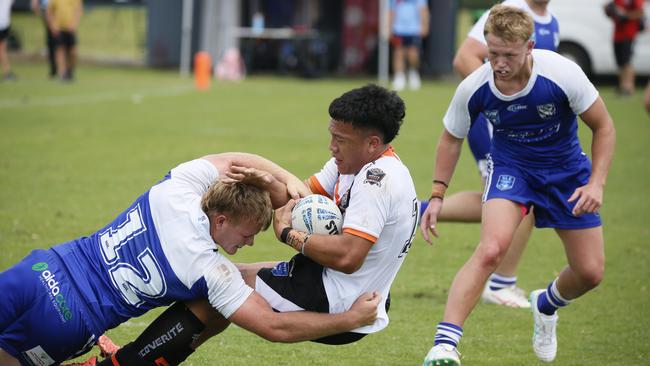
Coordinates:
258 317
590 196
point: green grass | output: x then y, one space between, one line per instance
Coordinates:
73 156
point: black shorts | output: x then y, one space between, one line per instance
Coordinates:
66 39
299 282
623 51
4 33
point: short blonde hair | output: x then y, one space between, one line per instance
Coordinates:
241 202
509 23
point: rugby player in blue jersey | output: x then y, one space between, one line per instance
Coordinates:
465 206
531 98
164 248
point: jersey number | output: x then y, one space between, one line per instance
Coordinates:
133 281
415 215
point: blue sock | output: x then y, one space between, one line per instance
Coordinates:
497 281
423 207
448 333
551 300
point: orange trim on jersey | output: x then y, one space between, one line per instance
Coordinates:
360 234
390 152
316 187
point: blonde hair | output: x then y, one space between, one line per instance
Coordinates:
241 202
509 23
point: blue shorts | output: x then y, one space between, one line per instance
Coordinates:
42 316
545 189
479 140
406 41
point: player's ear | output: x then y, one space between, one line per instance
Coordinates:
219 219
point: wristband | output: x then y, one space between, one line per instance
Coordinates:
441 182
438 190
285 234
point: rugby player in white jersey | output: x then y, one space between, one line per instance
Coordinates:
531 98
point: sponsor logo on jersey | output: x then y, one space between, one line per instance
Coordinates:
517 107
543 31
172 333
48 279
492 116
546 111
505 182
374 176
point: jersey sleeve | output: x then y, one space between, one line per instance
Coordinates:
195 175
457 119
325 180
227 290
369 206
580 92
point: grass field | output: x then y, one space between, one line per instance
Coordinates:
73 156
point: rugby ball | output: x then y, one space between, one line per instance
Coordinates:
317 214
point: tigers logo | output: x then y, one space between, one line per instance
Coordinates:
374 176
492 116
546 111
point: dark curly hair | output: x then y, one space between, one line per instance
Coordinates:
370 107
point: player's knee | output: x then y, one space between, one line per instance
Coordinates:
591 275
490 254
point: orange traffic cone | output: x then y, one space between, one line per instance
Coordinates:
202 66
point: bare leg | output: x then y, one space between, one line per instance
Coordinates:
413 56
626 78
398 60
585 250
4 58
510 262
500 219
461 207
61 61
646 99
7 360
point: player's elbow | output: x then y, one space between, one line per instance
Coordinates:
348 265
458 64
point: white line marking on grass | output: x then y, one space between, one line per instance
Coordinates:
65 100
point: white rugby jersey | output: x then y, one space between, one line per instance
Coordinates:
536 126
379 204
156 252
547 29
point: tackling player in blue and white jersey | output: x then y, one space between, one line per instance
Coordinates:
162 249
532 99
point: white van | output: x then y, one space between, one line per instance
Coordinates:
586 35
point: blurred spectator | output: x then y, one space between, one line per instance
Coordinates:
628 21
409 21
5 23
63 17
39 7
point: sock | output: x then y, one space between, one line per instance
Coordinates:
448 333
497 281
551 300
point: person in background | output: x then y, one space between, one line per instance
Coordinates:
39 7
409 20
5 24
628 18
63 18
